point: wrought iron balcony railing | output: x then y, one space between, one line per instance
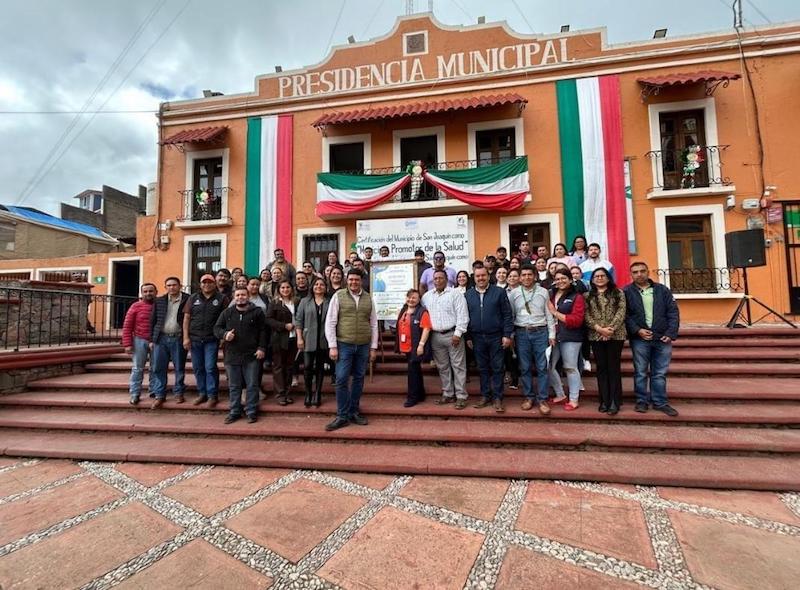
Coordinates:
426 191
694 167
701 280
203 204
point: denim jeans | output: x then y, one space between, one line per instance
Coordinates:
239 375
204 365
352 362
655 356
490 358
568 353
141 350
166 349
532 349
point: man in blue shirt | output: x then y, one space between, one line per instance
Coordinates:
490 330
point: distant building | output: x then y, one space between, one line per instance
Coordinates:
26 232
109 210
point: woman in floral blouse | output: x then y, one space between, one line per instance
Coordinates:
605 320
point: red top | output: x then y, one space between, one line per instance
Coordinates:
404 329
137 322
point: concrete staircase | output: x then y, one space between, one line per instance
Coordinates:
738 393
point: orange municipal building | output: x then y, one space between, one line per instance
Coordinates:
472 137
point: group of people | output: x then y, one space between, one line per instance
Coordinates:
531 315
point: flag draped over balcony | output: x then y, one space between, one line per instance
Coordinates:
268 206
501 187
348 193
592 166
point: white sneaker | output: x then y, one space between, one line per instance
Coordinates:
587 366
294 382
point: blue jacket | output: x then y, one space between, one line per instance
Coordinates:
666 317
494 316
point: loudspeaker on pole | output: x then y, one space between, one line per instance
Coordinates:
745 249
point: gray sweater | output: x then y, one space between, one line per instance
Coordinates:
305 318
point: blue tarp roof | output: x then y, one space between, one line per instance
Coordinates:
57 222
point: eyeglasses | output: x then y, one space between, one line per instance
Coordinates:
207 282
438 257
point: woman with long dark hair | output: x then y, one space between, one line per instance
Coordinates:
310 325
578 251
280 317
567 306
561 255
605 319
462 281
336 281
413 331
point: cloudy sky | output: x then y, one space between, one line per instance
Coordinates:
61 57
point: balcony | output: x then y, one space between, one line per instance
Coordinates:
709 282
419 196
204 208
692 171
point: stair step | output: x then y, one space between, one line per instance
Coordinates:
722 354
728 472
412 429
701 367
759 413
740 388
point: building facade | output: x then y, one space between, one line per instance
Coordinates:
655 149
110 210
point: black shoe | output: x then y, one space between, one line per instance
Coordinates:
641 407
134 400
613 410
231 419
338 423
667 409
602 409
359 419
252 418
409 403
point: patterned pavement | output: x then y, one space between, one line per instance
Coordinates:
131 525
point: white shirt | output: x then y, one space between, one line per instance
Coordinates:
448 309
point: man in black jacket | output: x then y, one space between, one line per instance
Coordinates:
200 315
166 343
490 329
652 320
242 327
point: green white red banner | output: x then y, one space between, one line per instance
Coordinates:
501 187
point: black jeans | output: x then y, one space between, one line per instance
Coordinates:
416 384
608 356
314 374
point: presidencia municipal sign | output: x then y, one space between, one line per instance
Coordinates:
404 236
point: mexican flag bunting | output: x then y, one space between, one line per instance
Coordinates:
349 193
502 187
592 165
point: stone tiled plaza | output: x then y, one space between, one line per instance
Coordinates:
132 525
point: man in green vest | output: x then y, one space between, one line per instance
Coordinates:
351 328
